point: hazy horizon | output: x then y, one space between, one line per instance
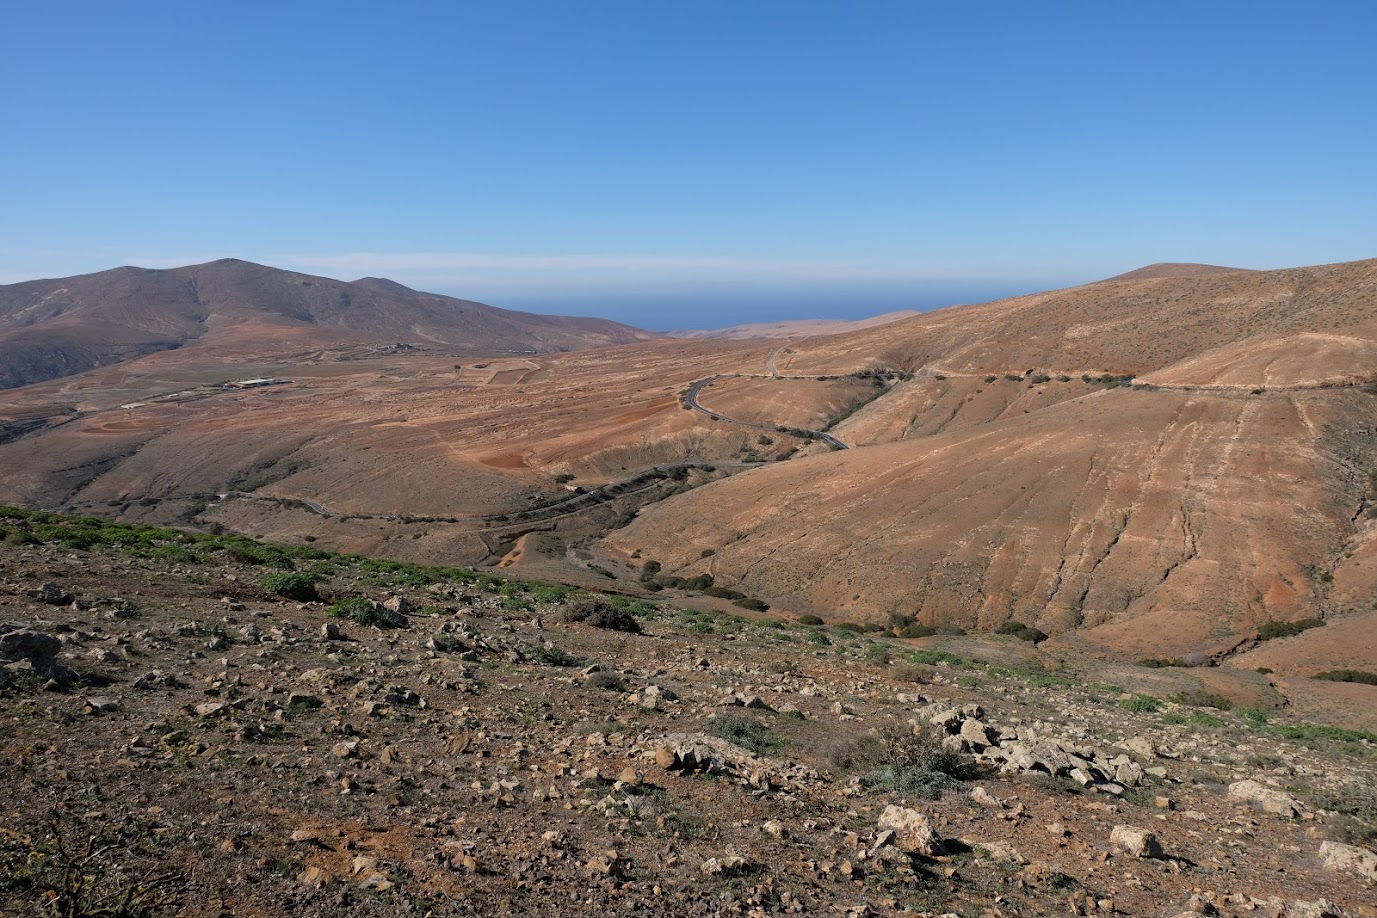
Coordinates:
693 310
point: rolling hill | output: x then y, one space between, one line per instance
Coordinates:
1154 466
56 328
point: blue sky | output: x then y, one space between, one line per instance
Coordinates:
689 164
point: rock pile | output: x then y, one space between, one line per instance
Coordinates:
1023 750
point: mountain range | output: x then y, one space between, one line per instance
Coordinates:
55 328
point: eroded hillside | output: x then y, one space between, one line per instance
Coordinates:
1154 464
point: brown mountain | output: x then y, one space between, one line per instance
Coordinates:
1172 269
54 328
1011 479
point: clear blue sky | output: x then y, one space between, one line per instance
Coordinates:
689 163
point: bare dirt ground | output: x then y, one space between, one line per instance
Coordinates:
231 752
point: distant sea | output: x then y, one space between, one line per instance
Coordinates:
669 310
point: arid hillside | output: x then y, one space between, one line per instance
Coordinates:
54 328
1130 325
1156 467
1152 467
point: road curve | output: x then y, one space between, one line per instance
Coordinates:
691 400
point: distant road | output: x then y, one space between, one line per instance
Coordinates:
691 399
565 506
770 361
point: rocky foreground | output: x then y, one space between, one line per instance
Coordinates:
187 729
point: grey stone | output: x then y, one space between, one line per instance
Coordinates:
1269 799
1350 859
913 832
1135 841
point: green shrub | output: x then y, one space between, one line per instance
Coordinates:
753 604
916 782
176 554
1198 698
1309 734
809 620
363 611
1272 630
933 657
1021 631
749 734
298 587
555 656
1347 675
256 553
1161 662
600 613
1140 704
900 761
917 631
548 592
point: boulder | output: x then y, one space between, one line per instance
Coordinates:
913 832
1269 799
35 650
1135 841
1349 859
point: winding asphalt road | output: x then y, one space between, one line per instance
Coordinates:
691 399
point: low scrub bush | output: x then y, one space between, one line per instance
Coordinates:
1161 662
809 620
600 613
608 681
1140 704
895 759
1347 675
297 587
1021 631
933 657
749 734
247 552
917 631
1198 698
1273 630
76 869
363 611
555 656
548 592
